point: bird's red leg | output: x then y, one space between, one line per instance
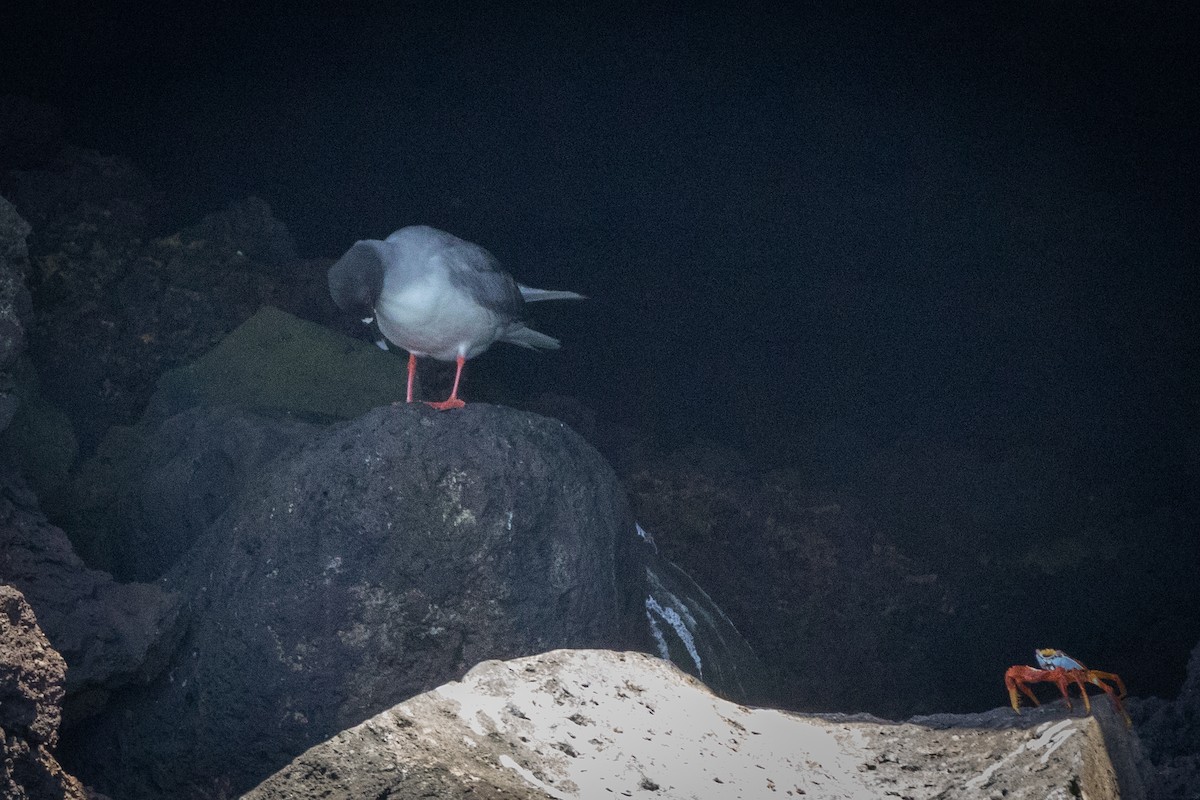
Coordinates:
452 401
412 373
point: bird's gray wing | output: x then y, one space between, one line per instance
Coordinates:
356 279
477 272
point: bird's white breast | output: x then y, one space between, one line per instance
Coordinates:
428 316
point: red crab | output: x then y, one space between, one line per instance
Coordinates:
1055 666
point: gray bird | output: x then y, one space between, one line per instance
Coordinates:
437 295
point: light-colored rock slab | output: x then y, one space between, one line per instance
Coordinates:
596 724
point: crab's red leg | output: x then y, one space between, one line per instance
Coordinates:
1098 678
1078 678
1013 685
1058 677
1095 676
1014 681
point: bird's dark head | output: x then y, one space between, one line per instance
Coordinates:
356 280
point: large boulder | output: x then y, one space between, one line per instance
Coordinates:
31 694
153 490
388 555
572 724
423 542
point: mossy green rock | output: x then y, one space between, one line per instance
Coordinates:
279 363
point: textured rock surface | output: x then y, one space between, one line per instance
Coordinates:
388 555
40 441
587 724
115 306
31 694
14 301
1170 732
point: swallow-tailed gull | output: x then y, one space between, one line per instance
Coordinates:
437 295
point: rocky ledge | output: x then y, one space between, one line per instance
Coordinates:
593 723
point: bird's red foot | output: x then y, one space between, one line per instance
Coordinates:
446 405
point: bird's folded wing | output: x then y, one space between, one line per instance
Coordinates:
490 288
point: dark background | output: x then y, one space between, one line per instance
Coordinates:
844 240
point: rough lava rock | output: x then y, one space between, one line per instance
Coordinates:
115 305
31 694
588 724
1170 732
390 554
15 306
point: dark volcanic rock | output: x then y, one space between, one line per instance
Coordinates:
31 689
90 215
56 193
31 694
115 308
389 555
818 589
152 491
14 302
40 440
1170 733
111 634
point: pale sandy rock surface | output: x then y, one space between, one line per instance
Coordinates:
595 724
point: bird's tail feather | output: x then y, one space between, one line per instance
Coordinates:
528 337
533 295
